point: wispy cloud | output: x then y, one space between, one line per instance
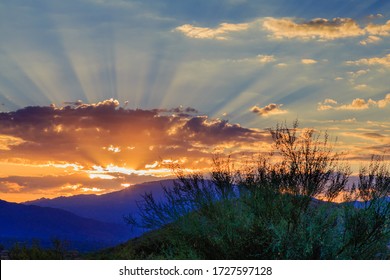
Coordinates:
308 61
263 58
7 142
370 40
361 87
219 33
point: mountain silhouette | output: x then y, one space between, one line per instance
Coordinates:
20 222
111 207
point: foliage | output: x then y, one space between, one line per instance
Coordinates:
272 210
57 251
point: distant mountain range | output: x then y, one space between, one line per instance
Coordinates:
23 223
95 221
111 207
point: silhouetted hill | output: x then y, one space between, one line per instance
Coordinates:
26 222
111 207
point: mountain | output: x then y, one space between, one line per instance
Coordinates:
26 222
111 207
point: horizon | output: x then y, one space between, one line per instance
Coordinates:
97 96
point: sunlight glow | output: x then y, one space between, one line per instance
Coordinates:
96 91
6 142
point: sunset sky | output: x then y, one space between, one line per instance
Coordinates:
97 95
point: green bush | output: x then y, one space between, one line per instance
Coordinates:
269 210
21 251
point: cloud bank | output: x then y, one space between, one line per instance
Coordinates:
97 147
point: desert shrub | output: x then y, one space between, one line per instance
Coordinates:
271 209
34 251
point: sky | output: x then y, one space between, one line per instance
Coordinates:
98 95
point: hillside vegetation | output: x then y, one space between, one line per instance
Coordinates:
280 208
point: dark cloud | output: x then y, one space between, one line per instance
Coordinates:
74 103
219 131
180 111
270 109
102 147
83 133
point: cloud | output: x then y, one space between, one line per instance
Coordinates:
103 132
318 29
372 136
69 184
379 30
266 58
330 101
282 65
361 87
180 111
375 16
356 104
270 109
370 40
324 30
384 102
100 146
326 104
219 33
7 142
382 61
358 73
308 61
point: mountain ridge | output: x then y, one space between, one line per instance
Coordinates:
111 207
27 222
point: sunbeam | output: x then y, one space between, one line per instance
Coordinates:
130 86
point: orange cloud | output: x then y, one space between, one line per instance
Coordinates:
92 134
7 142
324 29
104 145
319 29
